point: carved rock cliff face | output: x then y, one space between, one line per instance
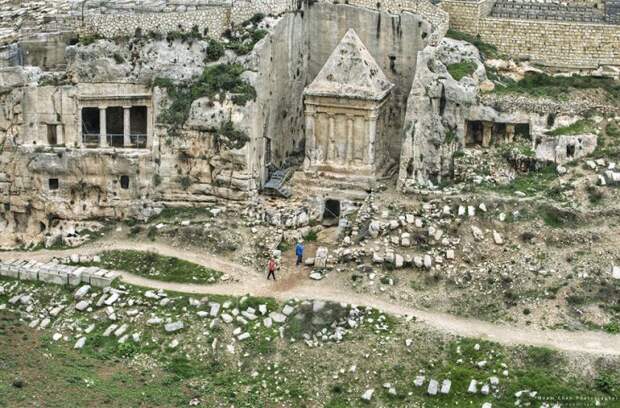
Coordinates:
436 110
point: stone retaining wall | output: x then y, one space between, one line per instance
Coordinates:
564 44
552 43
57 273
123 18
216 20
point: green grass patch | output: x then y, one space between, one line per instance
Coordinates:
613 130
531 183
487 50
543 85
558 218
158 267
461 69
580 127
215 80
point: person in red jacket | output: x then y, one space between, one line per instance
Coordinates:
271 266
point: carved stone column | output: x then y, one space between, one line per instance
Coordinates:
349 158
103 132
126 126
310 136
331 143
372 138
510 133
149 127
487 133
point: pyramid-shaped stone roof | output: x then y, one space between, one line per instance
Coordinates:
350 71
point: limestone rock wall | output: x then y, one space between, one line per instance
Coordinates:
438 105
279 66
393 40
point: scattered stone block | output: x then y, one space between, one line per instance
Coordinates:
108 332
215 309
80 343
277 317
445 386
174 327
498 238
473 387
433 386
367 395
81 292
320 259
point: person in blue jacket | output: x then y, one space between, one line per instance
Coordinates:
299 251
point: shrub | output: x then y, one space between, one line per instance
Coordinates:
595 195
215 50
185 182
231 137
613 328
89 39
311 236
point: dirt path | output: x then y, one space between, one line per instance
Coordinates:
293 283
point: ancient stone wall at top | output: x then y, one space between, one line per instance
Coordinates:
125 16
552 43
612 10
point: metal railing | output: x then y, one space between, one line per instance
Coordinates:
137 140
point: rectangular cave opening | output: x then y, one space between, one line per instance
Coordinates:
473 135
115 125
138 126
124 182
523 130
52 134
91 126
53 184
499 133
331 213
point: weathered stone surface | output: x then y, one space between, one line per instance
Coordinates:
174 326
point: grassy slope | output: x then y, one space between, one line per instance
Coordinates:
158 267
274 372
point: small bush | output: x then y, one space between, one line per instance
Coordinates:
612 328
89 39
231 137
595 195
605 384
185 182
215 50
311 236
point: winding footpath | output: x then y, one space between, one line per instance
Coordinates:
245 280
